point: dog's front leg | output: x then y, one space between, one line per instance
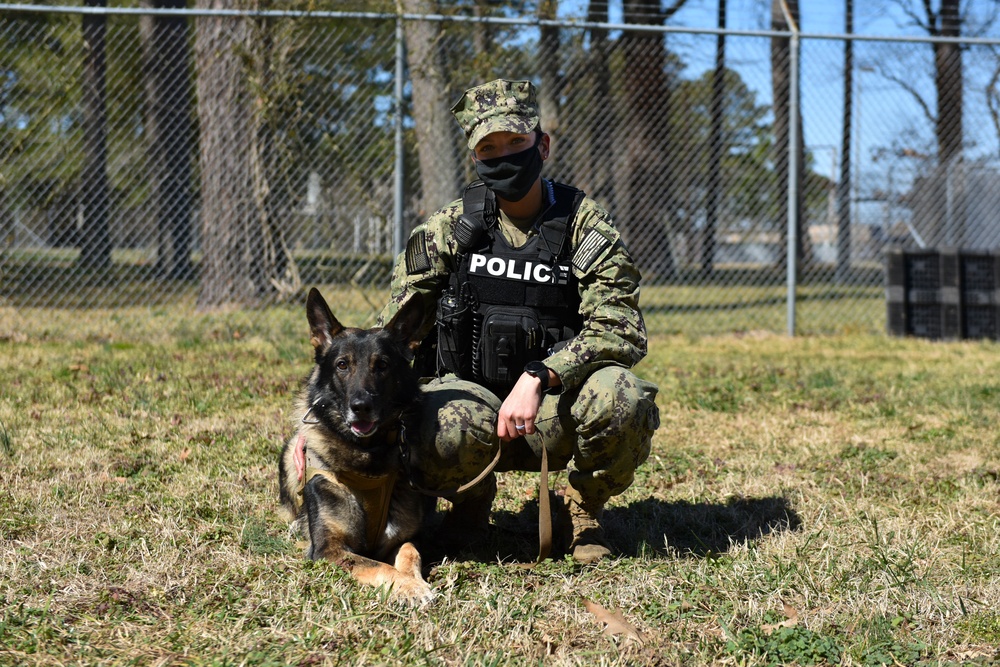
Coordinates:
409 565
336 522
336 527
406 583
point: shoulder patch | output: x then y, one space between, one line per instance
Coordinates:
417 260
593 244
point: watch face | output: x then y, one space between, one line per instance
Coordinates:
538 370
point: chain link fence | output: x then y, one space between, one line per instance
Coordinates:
204 158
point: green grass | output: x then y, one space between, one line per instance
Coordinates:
817 500
732 298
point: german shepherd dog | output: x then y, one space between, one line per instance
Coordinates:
340 475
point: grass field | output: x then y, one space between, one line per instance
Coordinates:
817 500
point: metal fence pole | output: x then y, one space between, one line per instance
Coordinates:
793 181
400 184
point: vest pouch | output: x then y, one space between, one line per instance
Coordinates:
510 337
454 327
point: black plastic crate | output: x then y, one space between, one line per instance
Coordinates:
922 293
980 322
943 293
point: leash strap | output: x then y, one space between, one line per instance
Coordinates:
544 504
544 511
454 492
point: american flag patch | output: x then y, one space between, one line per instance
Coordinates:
417 260
590 248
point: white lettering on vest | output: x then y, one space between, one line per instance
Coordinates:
517 269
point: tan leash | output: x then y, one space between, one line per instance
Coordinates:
453 492
544 511
544 505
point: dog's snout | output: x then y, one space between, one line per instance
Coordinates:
362 404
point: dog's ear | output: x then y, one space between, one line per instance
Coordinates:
323 326
405 325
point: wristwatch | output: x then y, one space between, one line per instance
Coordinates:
539 370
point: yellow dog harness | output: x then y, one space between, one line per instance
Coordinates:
374 493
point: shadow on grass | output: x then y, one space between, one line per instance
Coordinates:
696 529
648 528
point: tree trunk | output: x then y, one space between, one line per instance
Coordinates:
95 190
440 172
844 185
782 92
550 91
948 82
267 236
717 150
646 197
482 36
170 134
600 130
228 208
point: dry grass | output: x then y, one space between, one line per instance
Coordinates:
848 482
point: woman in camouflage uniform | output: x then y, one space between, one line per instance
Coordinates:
551 328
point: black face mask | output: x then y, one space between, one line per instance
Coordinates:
510 177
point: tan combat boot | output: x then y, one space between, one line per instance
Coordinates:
589 544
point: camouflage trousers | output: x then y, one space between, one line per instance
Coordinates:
600 431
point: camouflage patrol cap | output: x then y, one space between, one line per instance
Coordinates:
497 106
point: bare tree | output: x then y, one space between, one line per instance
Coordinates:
781 84
940 202
548 67
599 129
245 257
645 206
716 148
993 93
95 190
170 133
433 92
483 32
844 184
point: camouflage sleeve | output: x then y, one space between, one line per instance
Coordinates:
424 265
613 329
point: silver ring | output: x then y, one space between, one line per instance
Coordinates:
519 427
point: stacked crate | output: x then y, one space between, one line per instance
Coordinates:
943 294
979 278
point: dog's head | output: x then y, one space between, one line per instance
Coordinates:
362 380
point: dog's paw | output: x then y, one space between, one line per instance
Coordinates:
413 592
297 529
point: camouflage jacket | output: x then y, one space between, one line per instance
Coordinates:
613 329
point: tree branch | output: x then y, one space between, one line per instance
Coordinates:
908 87
932 19
672 9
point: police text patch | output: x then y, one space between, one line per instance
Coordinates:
518 269
590 249
417 260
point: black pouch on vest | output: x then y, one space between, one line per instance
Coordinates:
454 327
510 337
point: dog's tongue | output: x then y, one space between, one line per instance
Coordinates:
362 428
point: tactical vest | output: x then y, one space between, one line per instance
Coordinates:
507 306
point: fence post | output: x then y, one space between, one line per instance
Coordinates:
397 218
791 255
